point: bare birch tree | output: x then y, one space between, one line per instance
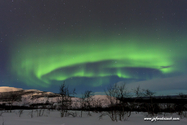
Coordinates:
65 99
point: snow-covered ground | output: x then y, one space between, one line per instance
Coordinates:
53 118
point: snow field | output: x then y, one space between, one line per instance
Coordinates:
53 118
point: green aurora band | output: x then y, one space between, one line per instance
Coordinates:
61 59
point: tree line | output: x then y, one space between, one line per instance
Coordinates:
120 99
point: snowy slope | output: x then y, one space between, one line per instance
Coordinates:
33 96
9 89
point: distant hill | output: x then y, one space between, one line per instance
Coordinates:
9 89
33 96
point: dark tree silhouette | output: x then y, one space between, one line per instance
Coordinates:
87 101
65 101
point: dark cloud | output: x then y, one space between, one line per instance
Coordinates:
166 66
165 84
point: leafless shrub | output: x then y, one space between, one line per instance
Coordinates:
87 101
65 101
40 112
31 113
1 114
11 97
117 107
73 114
107 114
182 107
20 112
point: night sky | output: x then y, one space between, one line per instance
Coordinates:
91 44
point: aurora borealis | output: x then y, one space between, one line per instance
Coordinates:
63 61
91 44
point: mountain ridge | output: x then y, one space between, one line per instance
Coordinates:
33 96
